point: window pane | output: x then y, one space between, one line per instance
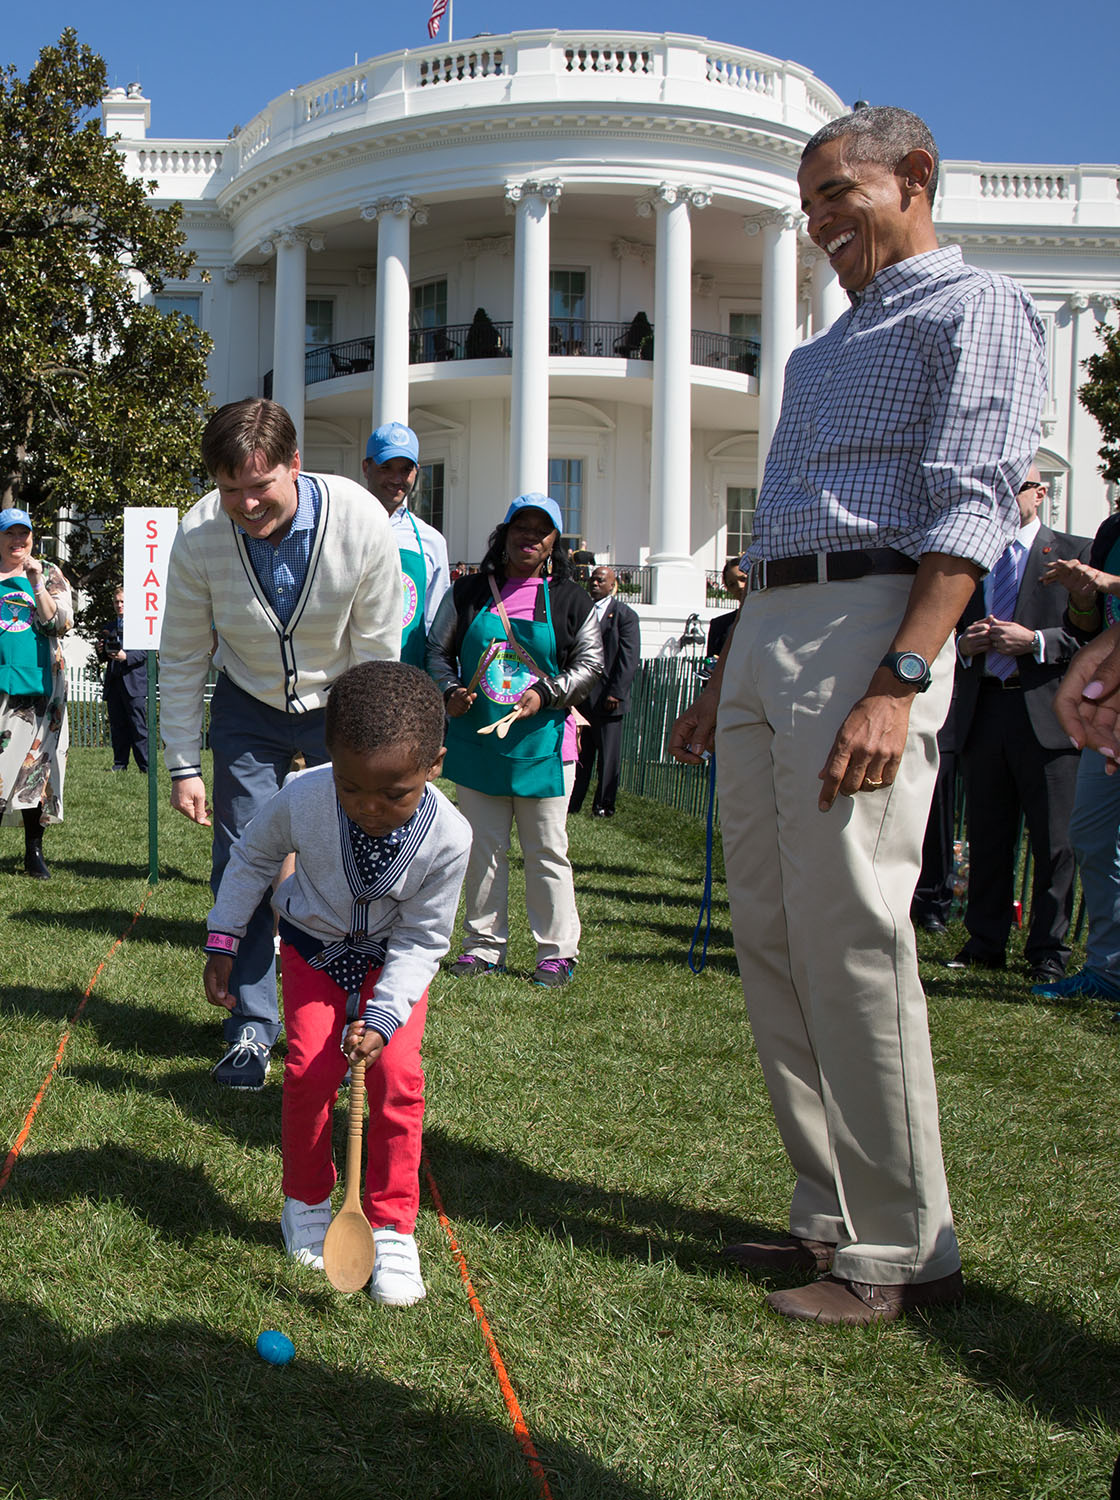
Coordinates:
567 294
429 305
565 486
319 324
427 498
190 305
740 519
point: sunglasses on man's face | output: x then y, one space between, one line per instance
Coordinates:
1031 484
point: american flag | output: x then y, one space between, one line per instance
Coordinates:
439 9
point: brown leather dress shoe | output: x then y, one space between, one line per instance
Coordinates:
856 1303
792 1254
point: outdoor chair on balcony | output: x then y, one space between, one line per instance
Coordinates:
340 365
443 348
637 341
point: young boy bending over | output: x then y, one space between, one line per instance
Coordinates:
364 922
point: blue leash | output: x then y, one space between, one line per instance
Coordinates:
705 917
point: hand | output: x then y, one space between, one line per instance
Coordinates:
459 702
1010 638
529 703
1087 704
1076 576
118 656
188 796
695 730
33 571
868 747
359 1041
975 640
611 705
215 980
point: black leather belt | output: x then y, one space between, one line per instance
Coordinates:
827 567
1003 683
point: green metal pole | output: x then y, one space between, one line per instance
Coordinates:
153 775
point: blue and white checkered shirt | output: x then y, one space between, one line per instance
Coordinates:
282 570
911 422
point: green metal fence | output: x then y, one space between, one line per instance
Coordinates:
663 687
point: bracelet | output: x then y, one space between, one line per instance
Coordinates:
222 942
1084 614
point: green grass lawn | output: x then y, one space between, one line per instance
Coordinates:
593 1147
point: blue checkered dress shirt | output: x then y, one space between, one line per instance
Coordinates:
281 570
911 422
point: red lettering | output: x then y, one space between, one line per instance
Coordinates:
151 578
151 601
151 527
153 548
151 624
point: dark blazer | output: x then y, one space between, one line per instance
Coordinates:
130 675
1038 607
622 651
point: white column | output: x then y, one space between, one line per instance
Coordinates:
779 316
1078 303
829 297
670 517
392 305
532 202
289 322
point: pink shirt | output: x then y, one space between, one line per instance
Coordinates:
519 596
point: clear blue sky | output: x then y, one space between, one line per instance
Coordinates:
995 81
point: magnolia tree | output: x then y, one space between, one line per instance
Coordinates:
101 396
1101 395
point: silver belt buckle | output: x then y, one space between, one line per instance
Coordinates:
756 577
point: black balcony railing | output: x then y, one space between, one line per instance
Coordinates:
567 337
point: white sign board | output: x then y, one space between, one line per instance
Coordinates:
148 535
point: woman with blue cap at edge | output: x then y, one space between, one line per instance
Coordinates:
35 610
517 640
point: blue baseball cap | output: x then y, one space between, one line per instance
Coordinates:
14 517
534 501
393 440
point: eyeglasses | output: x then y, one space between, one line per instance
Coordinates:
1032 484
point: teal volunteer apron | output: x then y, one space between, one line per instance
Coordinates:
25 660
414 579
527 762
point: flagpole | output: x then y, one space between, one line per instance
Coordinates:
450 20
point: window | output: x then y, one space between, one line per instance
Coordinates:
319 323
565 486
427 498
567 308
740 519
189 304
429 321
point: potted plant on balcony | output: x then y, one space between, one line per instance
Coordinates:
483 340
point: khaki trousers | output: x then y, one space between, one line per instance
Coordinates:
820 904
550 898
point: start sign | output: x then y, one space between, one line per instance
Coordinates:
148 535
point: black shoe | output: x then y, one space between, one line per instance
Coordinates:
34 864
602 812
968 960
930 922
1047 971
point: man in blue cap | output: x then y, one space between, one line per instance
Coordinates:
390 468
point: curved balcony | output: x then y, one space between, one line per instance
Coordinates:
573 338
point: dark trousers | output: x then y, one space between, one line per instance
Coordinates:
602 739
253 747
128 723
933 896
1007 773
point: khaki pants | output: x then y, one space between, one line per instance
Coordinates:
550 900
820 904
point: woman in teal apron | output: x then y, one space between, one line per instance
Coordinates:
35 609
512 648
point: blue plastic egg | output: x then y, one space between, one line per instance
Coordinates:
275 1347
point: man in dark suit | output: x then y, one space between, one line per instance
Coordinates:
605 707
1012 649
125 690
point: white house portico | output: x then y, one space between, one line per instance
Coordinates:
575 263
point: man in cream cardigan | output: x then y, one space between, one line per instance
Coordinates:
298 578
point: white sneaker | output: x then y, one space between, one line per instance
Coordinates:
396 1277
304 1227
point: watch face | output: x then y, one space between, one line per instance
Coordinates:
911 667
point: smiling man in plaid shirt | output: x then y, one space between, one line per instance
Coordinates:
906 430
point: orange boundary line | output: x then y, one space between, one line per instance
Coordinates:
21 1139
509 1396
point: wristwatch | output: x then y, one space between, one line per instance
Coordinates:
909 668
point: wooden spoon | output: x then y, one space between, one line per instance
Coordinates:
500 727
348 1247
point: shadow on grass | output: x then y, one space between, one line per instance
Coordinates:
123 1026
112 921
496 1189
177 1408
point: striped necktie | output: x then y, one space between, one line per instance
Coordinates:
1004 593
